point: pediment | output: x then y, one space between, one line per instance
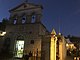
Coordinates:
25 6
53 32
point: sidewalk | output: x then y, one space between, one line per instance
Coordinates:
15 59
69 58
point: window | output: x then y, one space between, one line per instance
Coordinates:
23 19
33 18
14 21
25 6
32 42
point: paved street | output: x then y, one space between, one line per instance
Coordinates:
15 59
69 58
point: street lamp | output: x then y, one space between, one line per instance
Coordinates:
2 33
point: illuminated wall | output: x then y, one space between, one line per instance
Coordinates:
53 49
53 45
62 48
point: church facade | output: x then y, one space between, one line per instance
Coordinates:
28 35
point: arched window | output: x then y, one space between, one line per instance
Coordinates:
15 19
33 18
23 19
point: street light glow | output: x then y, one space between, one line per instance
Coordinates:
2 33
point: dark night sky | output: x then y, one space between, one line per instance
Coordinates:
63 13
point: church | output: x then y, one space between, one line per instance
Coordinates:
26 34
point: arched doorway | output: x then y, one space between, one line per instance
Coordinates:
19 47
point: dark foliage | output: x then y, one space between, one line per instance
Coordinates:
5 52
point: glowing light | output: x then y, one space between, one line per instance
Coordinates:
70 46
19 48
67 45
2 33
76 58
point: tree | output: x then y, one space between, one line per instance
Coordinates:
5 21
3 24
5 51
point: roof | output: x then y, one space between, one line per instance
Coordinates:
25 4
53 32
68 41
74 39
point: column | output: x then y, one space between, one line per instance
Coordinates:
19 20
53 49
28 19
38 18
11 20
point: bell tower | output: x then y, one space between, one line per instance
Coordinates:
26 13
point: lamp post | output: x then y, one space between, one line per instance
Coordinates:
37 55
77 50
